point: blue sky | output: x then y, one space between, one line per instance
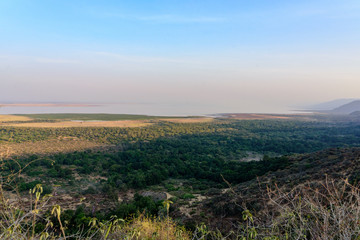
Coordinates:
254 56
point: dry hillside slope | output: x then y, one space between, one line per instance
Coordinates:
307 171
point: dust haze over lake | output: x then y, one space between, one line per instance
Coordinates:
127 108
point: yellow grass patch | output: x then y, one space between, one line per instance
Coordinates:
251 116
66 124
46 147
13 118
151 228
187 120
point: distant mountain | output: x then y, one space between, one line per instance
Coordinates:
348 108
357 113
327 106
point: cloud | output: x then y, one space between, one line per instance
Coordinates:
55 60
141 59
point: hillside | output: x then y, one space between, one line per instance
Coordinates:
327 106
348 108
357 113
306 172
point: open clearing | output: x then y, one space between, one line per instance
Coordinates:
121 124
13 118
91 116
251 116
67 124
187 120
52 146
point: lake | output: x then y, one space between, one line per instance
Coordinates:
129 108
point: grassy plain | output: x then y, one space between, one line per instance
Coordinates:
52 146
188 120
67 124
91 116
13 118
253 116
91 120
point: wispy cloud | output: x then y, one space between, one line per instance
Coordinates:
55 60
141 59
37 59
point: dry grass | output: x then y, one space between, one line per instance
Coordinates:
67 124
251 116
121 123
151 228
330 210
48 147
188 120
13 118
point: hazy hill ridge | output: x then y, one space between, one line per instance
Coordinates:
348 108
339 106
328 106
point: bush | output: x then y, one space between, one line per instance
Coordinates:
187 196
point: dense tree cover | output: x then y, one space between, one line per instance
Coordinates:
113 135
257 132
205 151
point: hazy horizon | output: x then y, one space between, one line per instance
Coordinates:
228 56
128 108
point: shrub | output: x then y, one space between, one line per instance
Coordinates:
187 196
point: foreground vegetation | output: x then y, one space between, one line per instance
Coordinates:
331 211
97 177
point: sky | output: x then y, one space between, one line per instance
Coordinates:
228 56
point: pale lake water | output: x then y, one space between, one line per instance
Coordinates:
133 108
